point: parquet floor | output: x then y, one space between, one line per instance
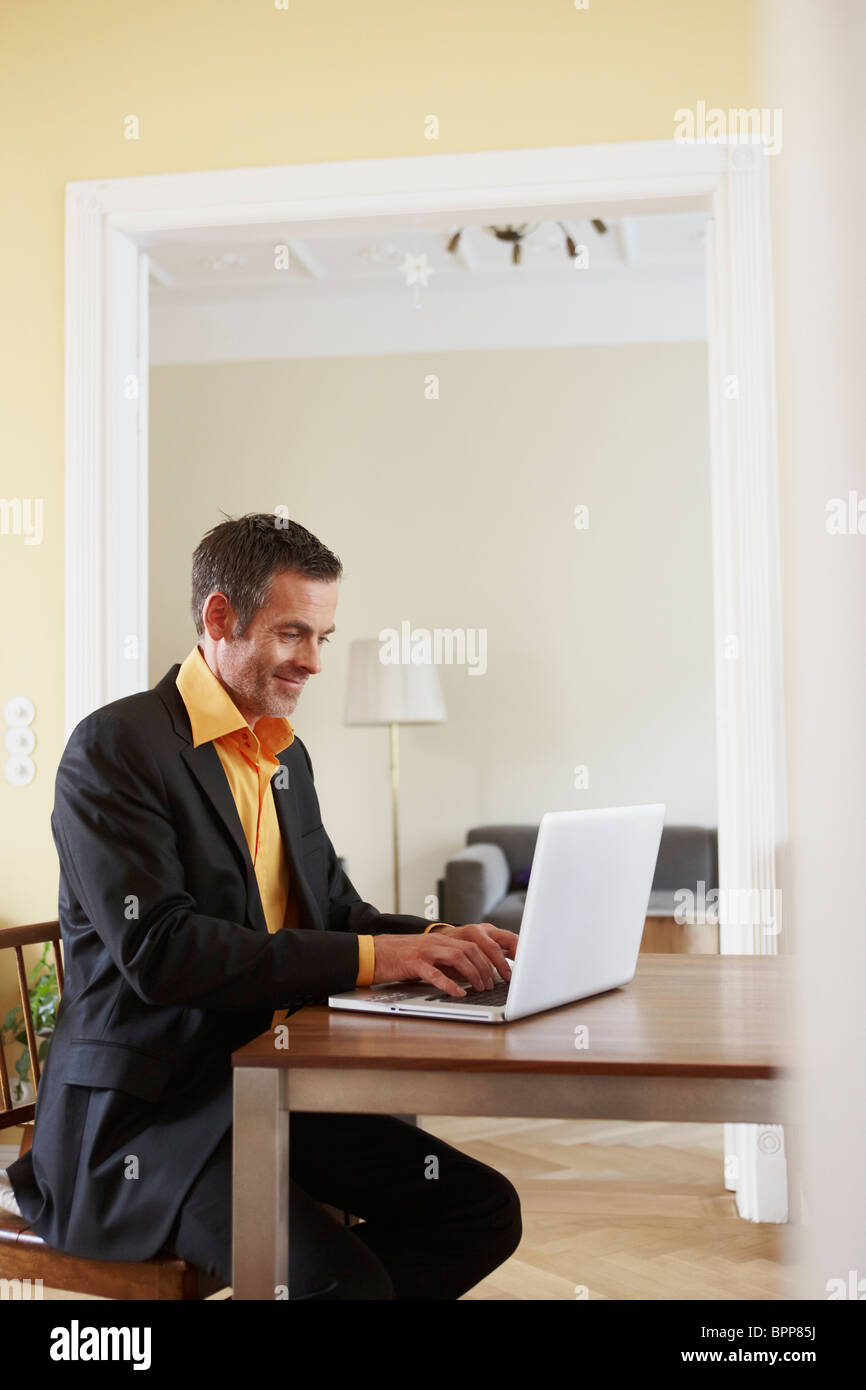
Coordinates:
617 1210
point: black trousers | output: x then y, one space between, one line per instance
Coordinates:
435 1222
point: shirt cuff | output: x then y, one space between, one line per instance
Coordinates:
366 960
434 925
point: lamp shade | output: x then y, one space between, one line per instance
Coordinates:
400 693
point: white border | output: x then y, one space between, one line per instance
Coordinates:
106 477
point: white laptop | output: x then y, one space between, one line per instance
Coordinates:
581 928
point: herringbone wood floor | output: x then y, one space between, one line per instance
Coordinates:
620 1210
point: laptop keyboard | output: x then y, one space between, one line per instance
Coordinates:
497 995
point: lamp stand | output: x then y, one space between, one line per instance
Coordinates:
395 810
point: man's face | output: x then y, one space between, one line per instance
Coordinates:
265 670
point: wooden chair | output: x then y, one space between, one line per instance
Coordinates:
23 1254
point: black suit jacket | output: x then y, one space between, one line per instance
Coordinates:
169 968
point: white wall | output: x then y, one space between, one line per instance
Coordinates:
459 512
813 71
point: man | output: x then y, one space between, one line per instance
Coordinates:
200 900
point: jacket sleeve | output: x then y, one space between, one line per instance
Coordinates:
347 912
118 850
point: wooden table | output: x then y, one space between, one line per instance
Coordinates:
698 1038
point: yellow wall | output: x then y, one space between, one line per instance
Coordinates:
226 83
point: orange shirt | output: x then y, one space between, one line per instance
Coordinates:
249 759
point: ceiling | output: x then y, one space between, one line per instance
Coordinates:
388 286
235 263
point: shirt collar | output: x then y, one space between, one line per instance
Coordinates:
213 713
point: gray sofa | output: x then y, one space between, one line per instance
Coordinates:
486 881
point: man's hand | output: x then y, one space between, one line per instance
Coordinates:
444 956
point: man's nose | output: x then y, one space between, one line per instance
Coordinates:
311 656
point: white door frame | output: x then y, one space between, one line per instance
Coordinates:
107 456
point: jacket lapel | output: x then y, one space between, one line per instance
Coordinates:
204 763
309 914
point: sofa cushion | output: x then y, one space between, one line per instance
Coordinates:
509 912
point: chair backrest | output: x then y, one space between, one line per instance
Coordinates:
14 939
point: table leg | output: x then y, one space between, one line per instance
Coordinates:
260 1184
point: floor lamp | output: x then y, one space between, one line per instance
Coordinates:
392 694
